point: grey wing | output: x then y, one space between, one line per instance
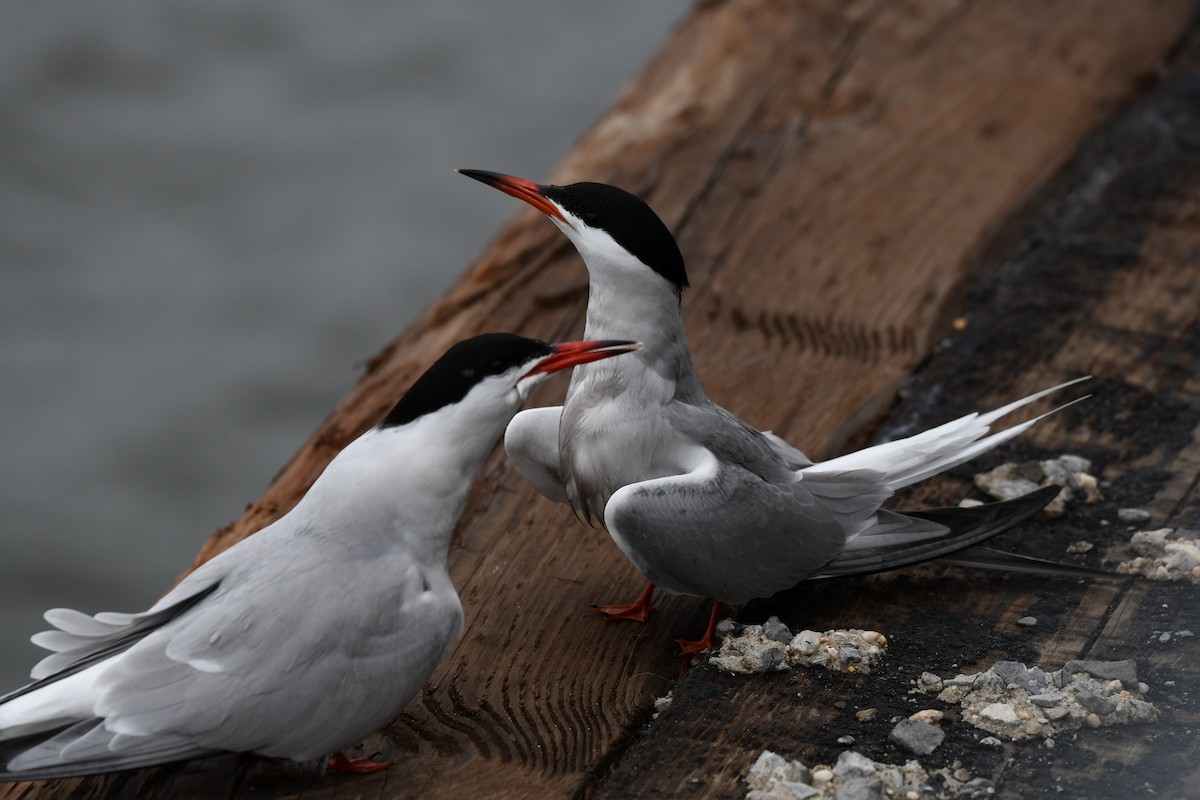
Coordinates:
790 455
297 665
531 442
723 532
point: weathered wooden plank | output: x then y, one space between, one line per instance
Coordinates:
1107 281
831 170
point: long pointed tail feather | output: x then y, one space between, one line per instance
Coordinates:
934 533
989 558
906 461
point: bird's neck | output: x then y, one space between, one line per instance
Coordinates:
611 431
642 308
406 486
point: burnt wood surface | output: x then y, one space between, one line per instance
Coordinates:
844 180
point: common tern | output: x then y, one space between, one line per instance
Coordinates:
701 502
309 635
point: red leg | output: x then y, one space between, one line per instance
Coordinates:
689 649
638 611
340 763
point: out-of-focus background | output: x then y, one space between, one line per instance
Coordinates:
211 214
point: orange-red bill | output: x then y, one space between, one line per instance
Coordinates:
571 354
519 188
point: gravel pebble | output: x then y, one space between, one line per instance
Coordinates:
1046 700
806 642
773 777
861 789
930 681
1002 713
851 764
917 737
1027 622
776 631
727 627
1133 515
1124 671
661 704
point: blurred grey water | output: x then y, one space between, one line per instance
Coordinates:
212 212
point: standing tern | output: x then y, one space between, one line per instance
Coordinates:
313 633
701 502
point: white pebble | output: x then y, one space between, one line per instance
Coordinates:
1133 515
1027 622
1000 712
1093 721
822 775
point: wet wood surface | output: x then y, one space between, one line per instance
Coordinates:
844 179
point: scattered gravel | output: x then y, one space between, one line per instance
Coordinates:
856 777
1079 548
1165 554
771 647
1013 701
1009 481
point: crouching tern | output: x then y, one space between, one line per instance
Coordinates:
701 502
313 633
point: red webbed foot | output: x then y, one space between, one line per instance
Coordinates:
339 762
637 611
694 649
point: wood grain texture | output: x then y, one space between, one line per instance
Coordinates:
832 171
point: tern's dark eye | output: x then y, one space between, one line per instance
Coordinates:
590 217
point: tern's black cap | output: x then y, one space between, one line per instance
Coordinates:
628 220
462 367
